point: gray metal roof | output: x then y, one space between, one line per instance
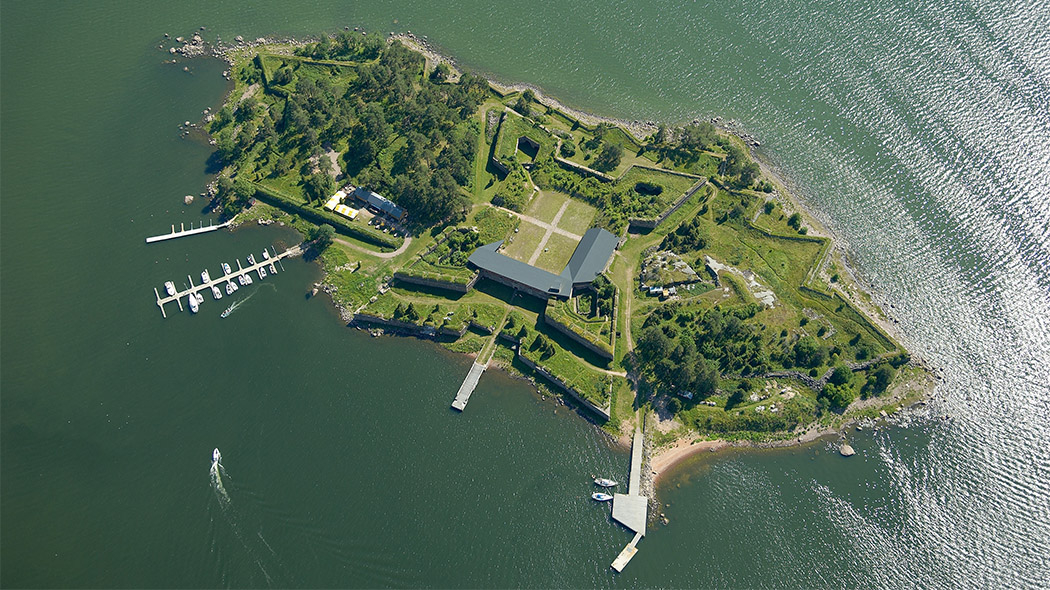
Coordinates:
379 202
588 261
591 256
486 258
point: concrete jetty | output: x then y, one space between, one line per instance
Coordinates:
467 388
221 281
187 232
631 509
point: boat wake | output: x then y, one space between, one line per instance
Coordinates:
217 471
235 518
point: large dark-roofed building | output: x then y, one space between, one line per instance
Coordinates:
590 259
380 202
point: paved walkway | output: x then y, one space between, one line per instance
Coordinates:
354 246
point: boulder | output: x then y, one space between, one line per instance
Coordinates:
846 451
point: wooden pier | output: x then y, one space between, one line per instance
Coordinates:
187 232
221 281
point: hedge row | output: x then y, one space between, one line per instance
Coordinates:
319 216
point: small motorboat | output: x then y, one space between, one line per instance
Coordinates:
266 254
247 279
262 272
273 269
169 287
230 288
215 292
226 312
194 304
226 268
251 259
601 496
200 298
605 483
216 456
240 279
205 276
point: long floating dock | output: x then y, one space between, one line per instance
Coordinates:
187 232
463 395
631 509
221 281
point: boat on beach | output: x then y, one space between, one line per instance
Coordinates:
601 497
605 483
169 287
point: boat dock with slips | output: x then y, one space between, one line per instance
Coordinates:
631 509
220 281
187 232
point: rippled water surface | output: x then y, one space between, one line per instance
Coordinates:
918 131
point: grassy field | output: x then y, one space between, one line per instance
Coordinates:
558 251
577 217
546 204
524 242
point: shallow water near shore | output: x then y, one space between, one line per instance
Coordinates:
919 133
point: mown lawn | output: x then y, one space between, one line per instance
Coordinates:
523 243
559 249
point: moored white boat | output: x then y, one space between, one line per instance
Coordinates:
605 483
601 497
251 259
240 279
273 269
266 254
230 288
247 279
205 276
226 268
194 305
169 287
200 298
215 292
262 272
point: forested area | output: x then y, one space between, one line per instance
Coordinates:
396 131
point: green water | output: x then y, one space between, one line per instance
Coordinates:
918 131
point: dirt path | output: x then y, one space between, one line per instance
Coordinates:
397 252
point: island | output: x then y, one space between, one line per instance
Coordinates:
648 275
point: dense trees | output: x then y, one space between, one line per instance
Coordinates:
376 101
604 293
322 236
609 158
691 235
